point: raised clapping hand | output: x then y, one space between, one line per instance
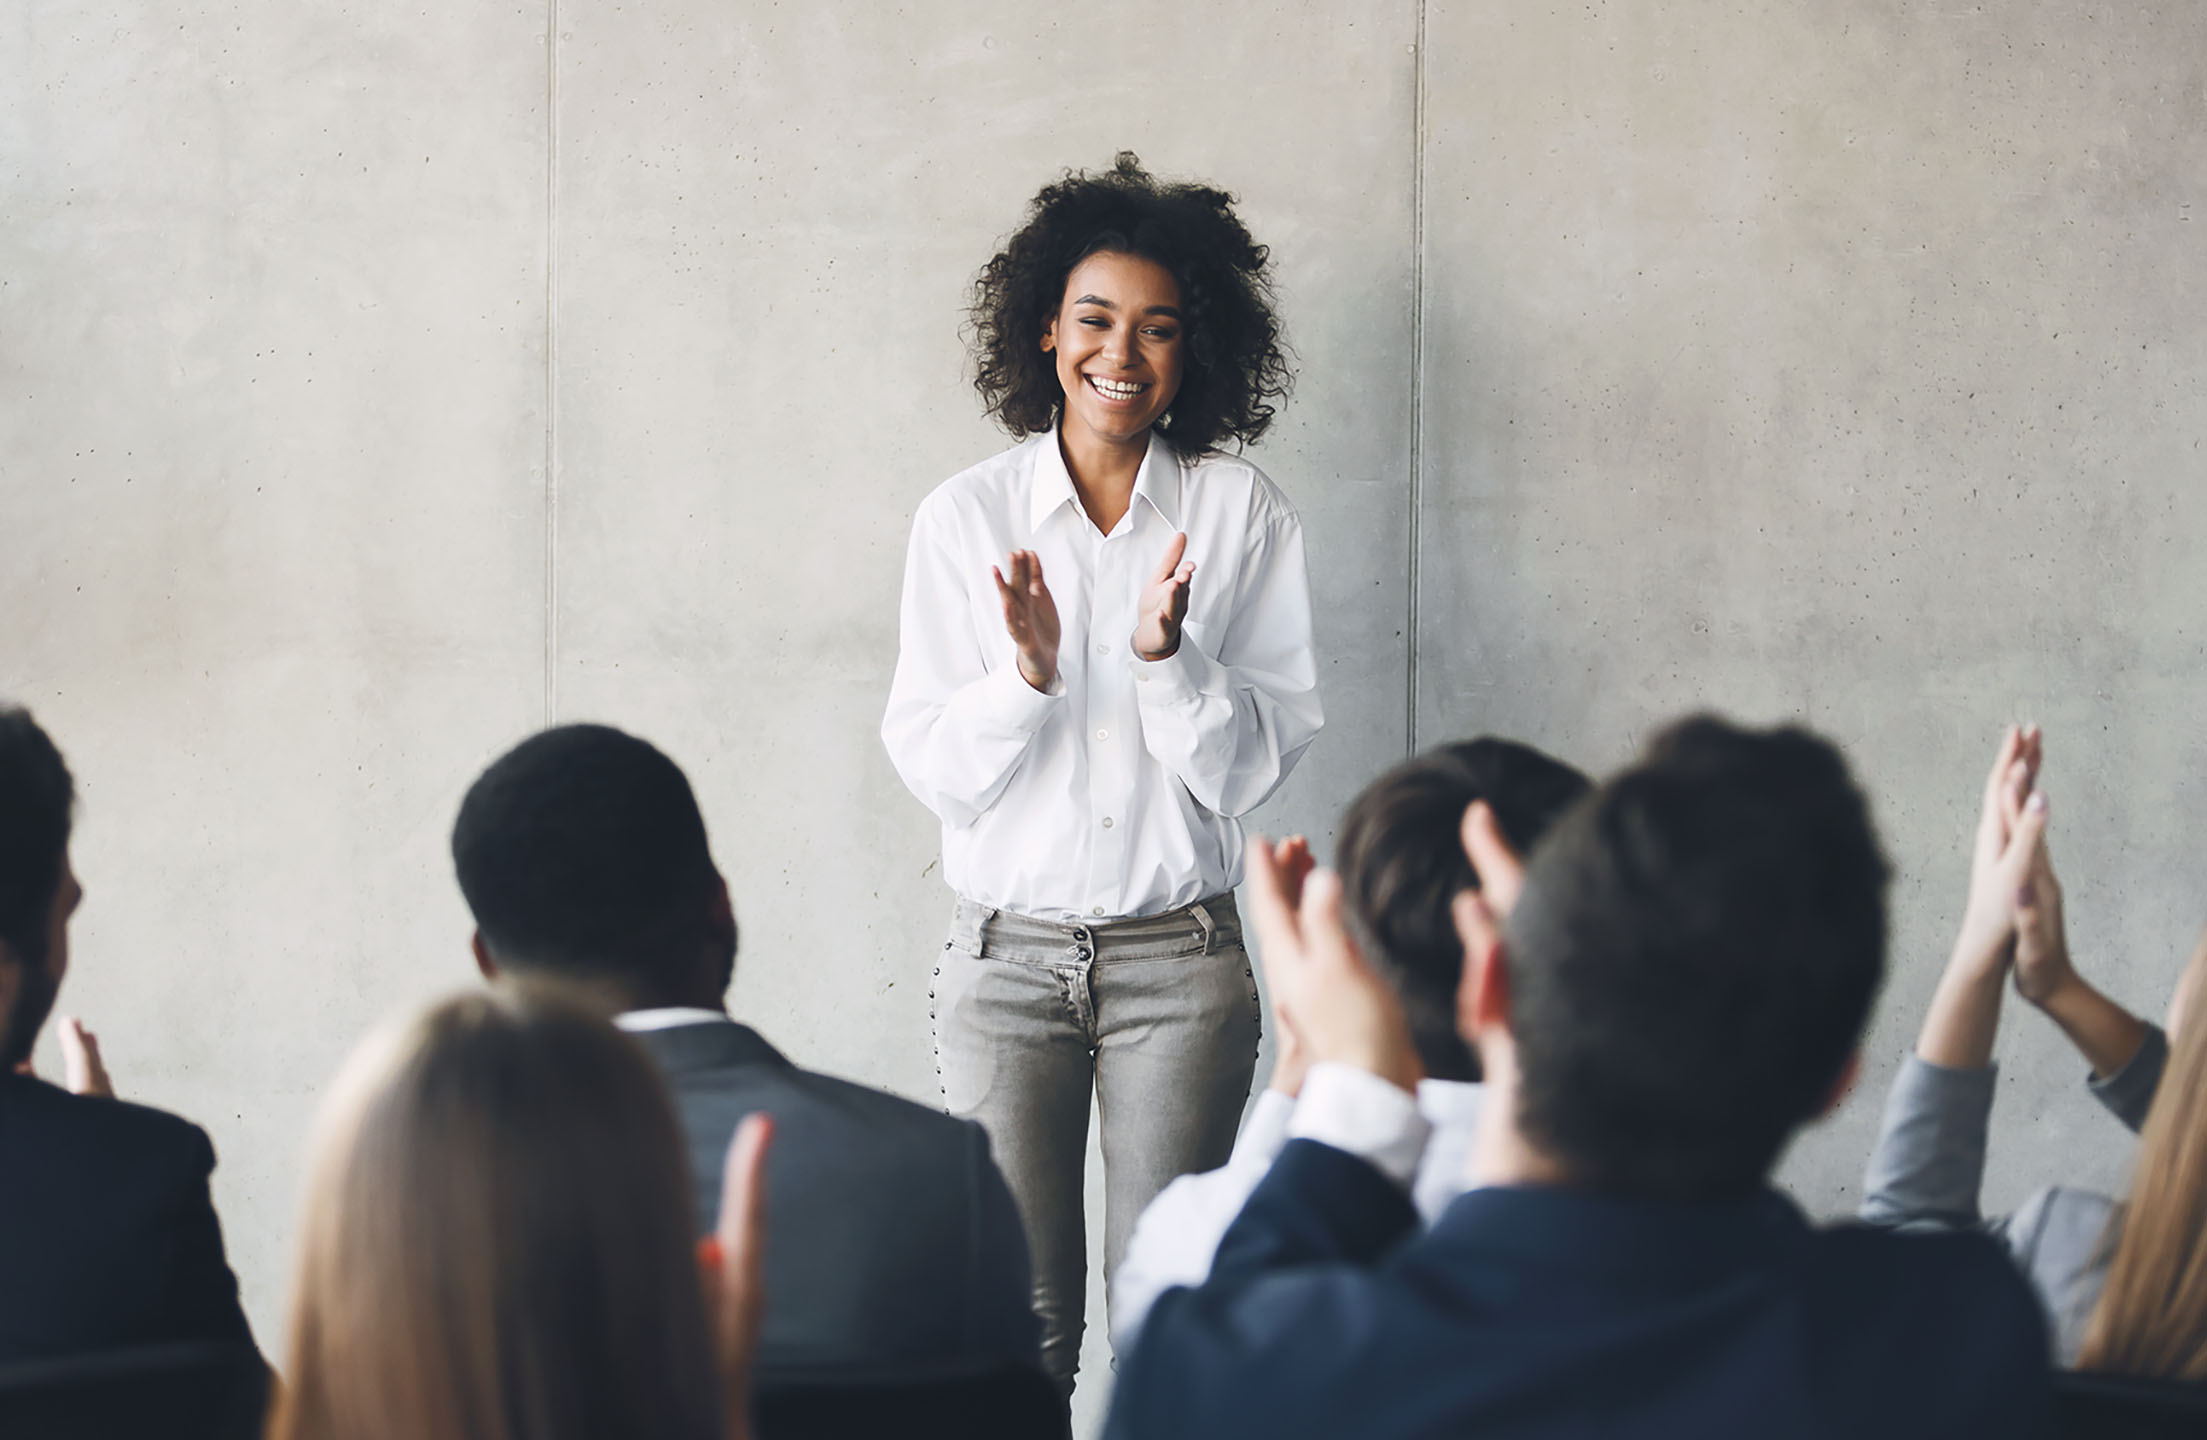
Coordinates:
1164 603
1290 1062
1321 987
82 1072
735 1269
1998 867
1030 617
1958 1029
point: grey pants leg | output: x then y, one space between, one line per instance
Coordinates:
1157 1017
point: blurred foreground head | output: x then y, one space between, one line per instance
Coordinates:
1693 958
497 1243
1402 864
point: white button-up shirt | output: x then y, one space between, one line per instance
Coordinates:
1424 1143
1117 793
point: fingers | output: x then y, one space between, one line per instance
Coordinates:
2003 760
741 1230
1992 816
2022 775
2024 841
743 1189
1501 873
1271 909
1176 598
82 1071
1295 862
1175 548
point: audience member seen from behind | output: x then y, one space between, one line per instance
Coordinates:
1686 972
897 1252
2126 1284
498 1243
111 1240
1402 864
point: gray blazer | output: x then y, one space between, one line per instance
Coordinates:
893 1249
1930 1161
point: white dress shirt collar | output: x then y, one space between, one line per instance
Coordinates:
666 1017
1158 481
1450 1102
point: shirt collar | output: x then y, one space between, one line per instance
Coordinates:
1444 1101
1158 481
667 1017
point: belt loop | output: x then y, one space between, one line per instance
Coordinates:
981 931
1203 919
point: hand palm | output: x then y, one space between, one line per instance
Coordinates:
1164 603
1030 617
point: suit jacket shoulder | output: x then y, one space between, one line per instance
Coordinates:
896 1249
1944 1320
110 1232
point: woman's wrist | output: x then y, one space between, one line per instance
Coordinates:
2107 1035
1965 1013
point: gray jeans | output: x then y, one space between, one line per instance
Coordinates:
1158 1016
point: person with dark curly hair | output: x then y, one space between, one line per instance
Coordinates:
1091 740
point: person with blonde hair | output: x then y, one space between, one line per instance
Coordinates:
498 1245
2124 1282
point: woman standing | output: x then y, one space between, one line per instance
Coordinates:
1105 660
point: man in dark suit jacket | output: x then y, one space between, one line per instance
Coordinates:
1686 974
894 1251
108 1236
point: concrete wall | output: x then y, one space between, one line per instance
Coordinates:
1844 362
374 385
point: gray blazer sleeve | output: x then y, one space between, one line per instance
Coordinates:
1929 1160
2128 1093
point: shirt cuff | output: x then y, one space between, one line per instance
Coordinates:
1266 1130
1180 676
1016 703
2129 1091
1356 1111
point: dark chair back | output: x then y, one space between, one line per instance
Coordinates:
2116 1407
189 1391
1010 1404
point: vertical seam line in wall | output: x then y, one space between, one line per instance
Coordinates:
551 362
1417 386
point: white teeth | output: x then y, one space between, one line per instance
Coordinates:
1114 389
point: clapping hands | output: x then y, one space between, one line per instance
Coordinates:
1322 989
1030 617
1164 603
2006 856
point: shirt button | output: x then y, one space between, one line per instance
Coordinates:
1103 649
1107 822
1097 911
1103 734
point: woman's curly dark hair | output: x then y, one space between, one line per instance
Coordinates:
1236 365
